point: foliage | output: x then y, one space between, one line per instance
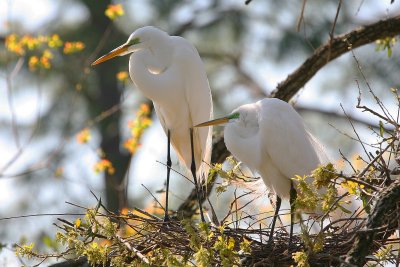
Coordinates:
137 126
40 49
386 44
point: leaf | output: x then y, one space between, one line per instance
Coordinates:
78 223
344 209
381 129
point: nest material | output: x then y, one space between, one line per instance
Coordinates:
151 234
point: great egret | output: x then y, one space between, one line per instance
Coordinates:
169 71
270 137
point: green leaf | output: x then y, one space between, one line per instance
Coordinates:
381 129
344 209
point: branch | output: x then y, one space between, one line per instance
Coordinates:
333 49
384 216
337 115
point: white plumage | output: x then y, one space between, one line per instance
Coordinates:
169 71
270 137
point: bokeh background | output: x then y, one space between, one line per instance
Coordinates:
247 51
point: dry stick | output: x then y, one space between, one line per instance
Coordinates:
40 215
132 249
331 34
301 17
355 131
374 160
378 101
153 197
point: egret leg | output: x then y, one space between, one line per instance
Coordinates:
277 207
193 169
169 164
293 195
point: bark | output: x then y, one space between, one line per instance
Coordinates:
381 224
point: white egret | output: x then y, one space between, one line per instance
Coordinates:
270 137
169 71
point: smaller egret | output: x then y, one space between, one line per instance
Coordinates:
270 137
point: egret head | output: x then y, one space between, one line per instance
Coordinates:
142 38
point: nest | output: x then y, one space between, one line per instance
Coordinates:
144 238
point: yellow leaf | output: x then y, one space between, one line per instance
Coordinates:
78 223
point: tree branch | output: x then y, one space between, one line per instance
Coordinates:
333 49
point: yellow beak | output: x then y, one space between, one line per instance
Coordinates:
213 122
116 52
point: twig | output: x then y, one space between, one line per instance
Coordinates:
301 17
133 249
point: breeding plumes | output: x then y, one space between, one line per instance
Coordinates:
270 137
169 71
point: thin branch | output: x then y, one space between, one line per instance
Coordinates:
301 17
331 34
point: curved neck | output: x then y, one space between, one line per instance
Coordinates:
157 60
147 72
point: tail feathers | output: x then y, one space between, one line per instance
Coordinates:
319 149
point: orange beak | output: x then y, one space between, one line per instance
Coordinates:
213 122
116 52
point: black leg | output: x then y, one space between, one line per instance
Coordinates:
169 164
193 169
278 206
293 195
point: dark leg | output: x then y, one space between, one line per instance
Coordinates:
169 164
293 195
193 169
278 206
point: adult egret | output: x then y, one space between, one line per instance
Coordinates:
169 71
270 137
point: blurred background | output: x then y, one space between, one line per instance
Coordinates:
45 103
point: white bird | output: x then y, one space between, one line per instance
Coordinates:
169 71
270 137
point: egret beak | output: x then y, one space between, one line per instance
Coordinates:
214 122
116 52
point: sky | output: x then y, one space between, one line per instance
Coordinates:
43 11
